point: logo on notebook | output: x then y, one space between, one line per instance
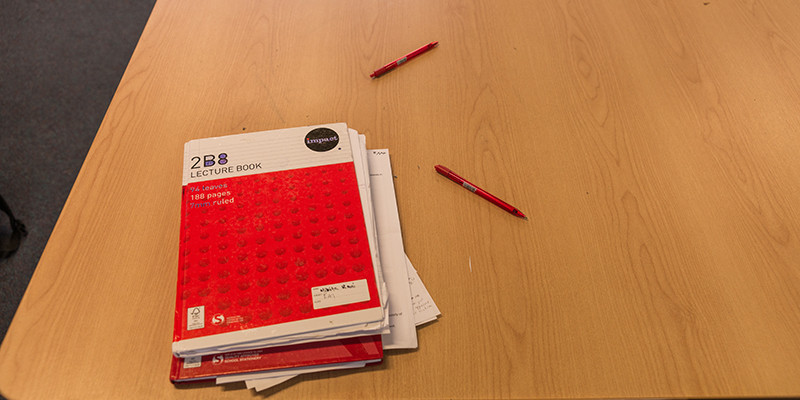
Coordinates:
195 318
218 359
322 139
209 160
218 319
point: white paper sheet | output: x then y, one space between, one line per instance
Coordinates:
403 333
266 383
254 376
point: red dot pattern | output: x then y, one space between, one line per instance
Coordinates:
255 259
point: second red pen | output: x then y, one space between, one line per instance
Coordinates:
480 192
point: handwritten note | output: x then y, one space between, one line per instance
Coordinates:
425 309
339 294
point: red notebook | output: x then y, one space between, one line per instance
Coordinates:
365 348
274 247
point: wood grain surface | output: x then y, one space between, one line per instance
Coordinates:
653 145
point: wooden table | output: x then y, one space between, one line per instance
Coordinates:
653 144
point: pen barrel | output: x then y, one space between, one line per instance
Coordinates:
416 53
447 173
494 200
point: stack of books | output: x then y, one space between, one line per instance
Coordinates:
291 258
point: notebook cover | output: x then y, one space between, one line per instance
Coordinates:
272 236
365 348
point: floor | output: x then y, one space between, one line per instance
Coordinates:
60 63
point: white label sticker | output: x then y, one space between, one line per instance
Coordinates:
339 294
196 318
192 362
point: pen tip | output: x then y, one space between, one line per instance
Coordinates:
525 218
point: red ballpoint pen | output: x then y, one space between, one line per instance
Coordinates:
480 192
394 64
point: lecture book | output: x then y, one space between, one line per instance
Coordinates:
275 243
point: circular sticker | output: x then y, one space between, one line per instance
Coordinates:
322 139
